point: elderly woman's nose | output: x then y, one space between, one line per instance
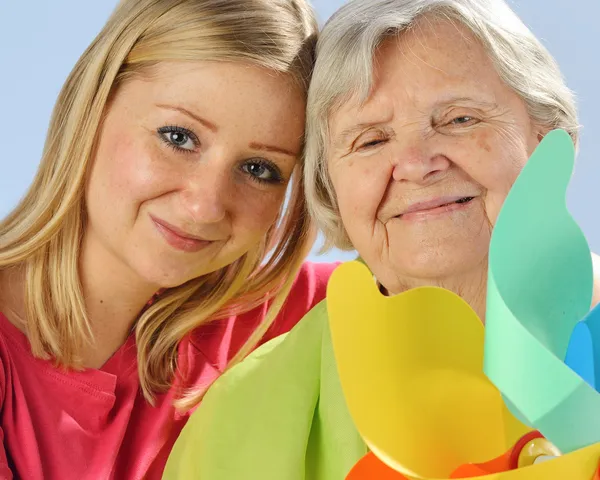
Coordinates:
417 165
204 197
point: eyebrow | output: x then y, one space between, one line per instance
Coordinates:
214 128
346 134
271 148
349 132
199 119
478 101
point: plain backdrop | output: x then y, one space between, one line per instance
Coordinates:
40 41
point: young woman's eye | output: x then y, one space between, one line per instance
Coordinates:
179 138
263 171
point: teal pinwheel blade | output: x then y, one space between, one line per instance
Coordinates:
539 287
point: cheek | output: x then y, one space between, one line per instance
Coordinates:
360 185
254 212
127 173
494 163
497 189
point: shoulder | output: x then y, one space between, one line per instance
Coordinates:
596 290
308 290
310 285
219 340
7 348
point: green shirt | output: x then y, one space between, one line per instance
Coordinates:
278 415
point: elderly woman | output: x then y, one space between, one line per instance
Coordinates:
421 115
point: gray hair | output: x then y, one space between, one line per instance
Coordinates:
344 70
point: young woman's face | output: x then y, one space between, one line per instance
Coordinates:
191 167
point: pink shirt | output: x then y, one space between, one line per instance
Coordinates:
95 424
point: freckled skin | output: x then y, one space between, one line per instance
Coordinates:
205 192
427 82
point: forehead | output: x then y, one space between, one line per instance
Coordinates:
436 59
199 79
237 97
433 51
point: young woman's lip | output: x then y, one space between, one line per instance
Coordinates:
177 240
178 231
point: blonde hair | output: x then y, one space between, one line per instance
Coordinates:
344 71
44 232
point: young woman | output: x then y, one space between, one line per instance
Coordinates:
153 249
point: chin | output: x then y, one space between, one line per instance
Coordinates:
438 265
429 254
162 274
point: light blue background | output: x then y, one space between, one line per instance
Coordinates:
40 41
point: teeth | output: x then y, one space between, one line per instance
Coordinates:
465 200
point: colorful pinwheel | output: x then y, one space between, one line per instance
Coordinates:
435 395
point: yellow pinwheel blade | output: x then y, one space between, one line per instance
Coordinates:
411 368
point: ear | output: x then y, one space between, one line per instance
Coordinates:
541 131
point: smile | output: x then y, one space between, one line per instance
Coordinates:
438 206
178 240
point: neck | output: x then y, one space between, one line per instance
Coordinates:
114 297
471 286
12 295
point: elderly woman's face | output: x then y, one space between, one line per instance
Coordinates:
421 169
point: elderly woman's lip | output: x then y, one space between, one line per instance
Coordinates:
436 203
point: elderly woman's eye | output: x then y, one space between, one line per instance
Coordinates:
464 119
179 138
372 143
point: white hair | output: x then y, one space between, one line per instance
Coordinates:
344 70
